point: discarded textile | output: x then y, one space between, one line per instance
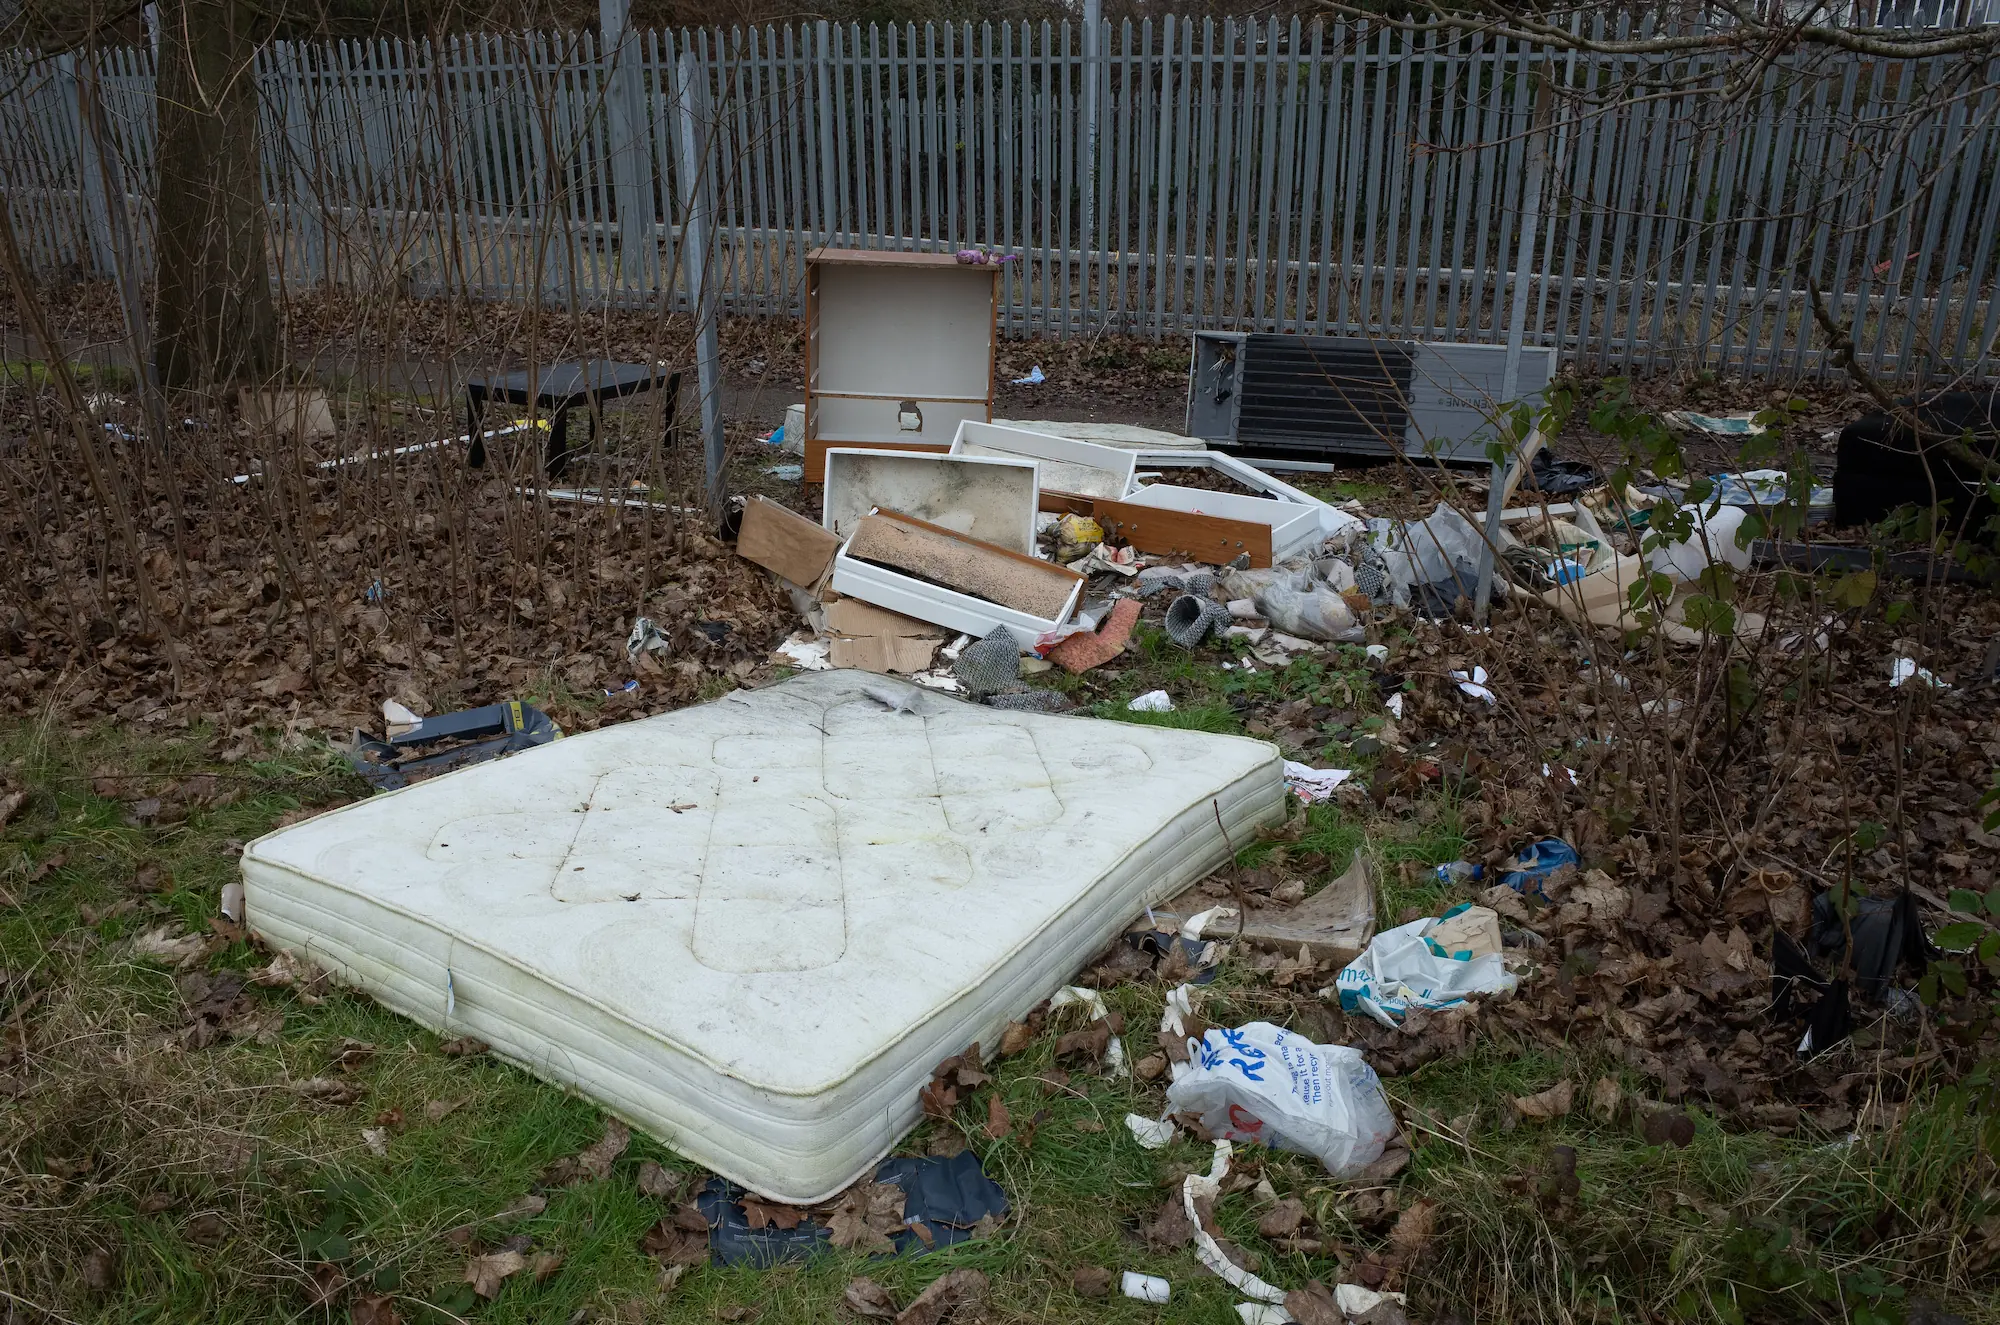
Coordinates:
1888 935
1190 620
990 665
947 1196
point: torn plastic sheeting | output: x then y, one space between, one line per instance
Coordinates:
1150 1133
1762 487
1194 926
1473 683
645 637
1145 1287
1407 967
1355 1301
1310 609
1197 1186
1174 1021
1314 784
1725 425
1441 548
1260 1082
1558 478
1093 1002
805 653
1714 540
1263 1313
1157 944
1153 701
946 1195
1534 863
1904 670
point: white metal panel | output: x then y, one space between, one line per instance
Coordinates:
1077 468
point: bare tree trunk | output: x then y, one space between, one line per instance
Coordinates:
215 321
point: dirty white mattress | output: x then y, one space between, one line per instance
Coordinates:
754 926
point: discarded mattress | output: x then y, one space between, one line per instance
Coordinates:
752 927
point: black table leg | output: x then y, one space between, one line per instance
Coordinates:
558 459
475 421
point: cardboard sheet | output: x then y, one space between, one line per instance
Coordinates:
877 640
784 541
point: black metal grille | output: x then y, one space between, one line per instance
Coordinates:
1308 396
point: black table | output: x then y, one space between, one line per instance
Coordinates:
558 387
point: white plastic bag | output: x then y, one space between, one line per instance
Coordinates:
1314 613
1263 1083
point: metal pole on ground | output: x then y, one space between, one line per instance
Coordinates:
696 237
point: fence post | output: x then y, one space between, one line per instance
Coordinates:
125 261
1093 72
631 180
305 220
98 253
695 256
829 192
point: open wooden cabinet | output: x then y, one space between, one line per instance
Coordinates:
899 350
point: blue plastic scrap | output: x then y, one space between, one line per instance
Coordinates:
1535 862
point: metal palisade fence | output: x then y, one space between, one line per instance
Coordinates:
1672 211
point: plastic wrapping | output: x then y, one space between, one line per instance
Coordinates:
1312 612
1263 1083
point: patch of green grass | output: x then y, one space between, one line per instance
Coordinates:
1341 490
91 377
1217 718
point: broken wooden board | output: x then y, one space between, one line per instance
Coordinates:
1208 539
817 447
1337 922
967 565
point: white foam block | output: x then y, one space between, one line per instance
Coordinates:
754 926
